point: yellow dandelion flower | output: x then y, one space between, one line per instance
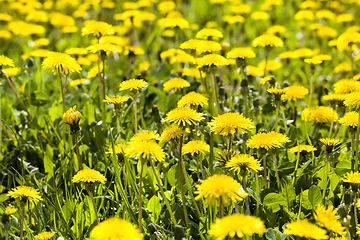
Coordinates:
172 132
233 19
97 28
277 29
267 40
309 5
328 219
294 93
334 98
276 91
241 9
196 147
254 71
350 119
133 85
302 148
220 188
211 60
313 61
346 86
69 29
352 177
5 61
115 229
119 41
120 149
106 47
58 63
239 225
303 53
11 72
342 67
10 210
24 193
145 150
61 20
209 33
304 15
228 123
116 100
319 114
326 14
193 72
94 71
45 236
347 39
173 22
326 32
89 176
43 53
305 229
77 82
271 65
5 34
166 6
76 51
330 143
5 17
322 57
71 116
259 15
176 83
42 42
268 141
353 100
266 79
242 163
286 55
192 99
207 47
145 136
241 53
183 116
190 44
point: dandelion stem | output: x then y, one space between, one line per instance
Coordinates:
276 117
266 60
29 90
284 118
78 151
99 79
135 114
125 188
181 181
104 94
62 93
296 166
355 209
94 205
22 222
140 197
246 199
229 145
215 89
326 175
220 208
257 194
265 171
353 144
332 122
277 172
117 113
163 194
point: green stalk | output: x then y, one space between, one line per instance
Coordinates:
94 205
104 94
276 117
78 151
332 122
163 194
265 170
22 222
215 89
182 181
352 144
247 198
284 118
135 115
296 166
220 208
326 175
257 194
125 184
140 197
355 209
99 80
277 173
117 113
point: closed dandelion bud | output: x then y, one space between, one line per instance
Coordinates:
72 117
147 237
5 218
256 103
145 215
155 113
342 211
179 233
347 198
152 229
244 83
30 63
195 176
102 55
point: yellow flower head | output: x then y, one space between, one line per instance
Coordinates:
190 44
173 22
271 140
325 13
58 63
229 19
334 98
241 163
228 123
326 32
241 53
220 188
304 15
330 143
209 33
347 39
260 15
120 149
42 42
5 34
176 83
319 114
346 86
353 100
345 17
10 210
192 99
183 116
313 61
211 60
254 71
44 53
145 150
135 50
303 228
276 91
239 225
271 65
71 116
145 136
11 72
352 177
267 40
350 119
98 28
115 229
172 132
116 100
24 193
328 219
5 61
106 47
88 176
196 147
45 236
207 47
277 29
294 93
302 148
342 67
133 85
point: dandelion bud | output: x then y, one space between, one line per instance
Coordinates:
145 215
152 229
342 211
244 83
195 176
5 218
30 63
347 198
155 114
147 237
179 233
72 117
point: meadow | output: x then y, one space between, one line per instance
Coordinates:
183 119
